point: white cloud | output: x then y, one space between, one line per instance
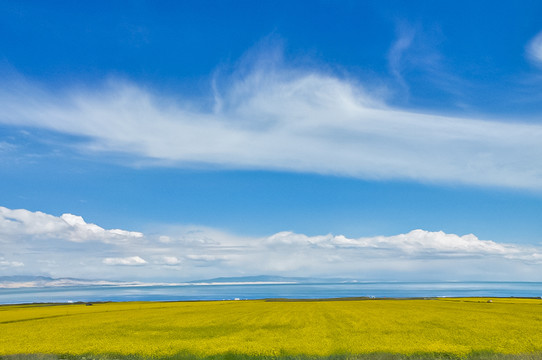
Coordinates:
10 264
192 253
6 146
395 55
130 261
205 257
282 119
68 227
534 48
167 260
415 243
164 238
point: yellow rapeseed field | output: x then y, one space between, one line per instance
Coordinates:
456 326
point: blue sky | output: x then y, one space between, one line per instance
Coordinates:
241 138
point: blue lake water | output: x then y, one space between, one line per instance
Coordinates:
262 291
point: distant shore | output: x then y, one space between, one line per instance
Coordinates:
347 298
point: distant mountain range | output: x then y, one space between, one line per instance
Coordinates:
28 281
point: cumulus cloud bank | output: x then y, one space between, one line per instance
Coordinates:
39 243
68 227
276 118
417 243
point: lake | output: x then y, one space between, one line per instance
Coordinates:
261 291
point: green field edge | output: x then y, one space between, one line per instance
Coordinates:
479 355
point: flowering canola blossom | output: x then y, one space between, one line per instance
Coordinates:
258 327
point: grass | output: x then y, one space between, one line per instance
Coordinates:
507 329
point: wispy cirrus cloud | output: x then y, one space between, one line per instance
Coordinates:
397 51
534 49
6 146
196 252
282 119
